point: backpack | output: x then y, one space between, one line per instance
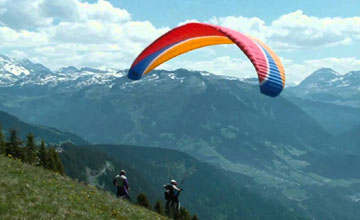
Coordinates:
168 192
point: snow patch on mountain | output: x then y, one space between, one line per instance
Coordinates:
326 85
16 70
355 197
172 76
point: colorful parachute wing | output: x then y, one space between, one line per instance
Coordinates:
191 36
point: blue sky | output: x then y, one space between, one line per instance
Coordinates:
170 13
307 35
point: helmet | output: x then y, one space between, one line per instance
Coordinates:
122 172
173 182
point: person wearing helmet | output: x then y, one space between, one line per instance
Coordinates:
122 185
172 193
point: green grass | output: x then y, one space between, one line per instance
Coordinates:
28 192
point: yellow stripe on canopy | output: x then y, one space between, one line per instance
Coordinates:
186 46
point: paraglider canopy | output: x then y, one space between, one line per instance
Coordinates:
191 36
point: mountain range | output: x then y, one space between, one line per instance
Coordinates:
287 144
24 73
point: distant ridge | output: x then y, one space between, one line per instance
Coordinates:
50 135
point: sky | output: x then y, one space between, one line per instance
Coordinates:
307 34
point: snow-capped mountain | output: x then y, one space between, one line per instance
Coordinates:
11 70
25 73
326 85
327 79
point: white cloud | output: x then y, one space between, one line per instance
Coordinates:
101 11
65 9
18 54
252 26
296 30
96 55
22 14
94 34
31 14
21 38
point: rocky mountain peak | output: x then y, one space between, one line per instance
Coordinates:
69 69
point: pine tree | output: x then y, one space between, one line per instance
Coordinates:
2 142
182 214
158 208
50 163
195 217
30 150
143 201
14 146
59 168
43 155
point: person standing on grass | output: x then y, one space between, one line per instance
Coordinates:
172 193
122 185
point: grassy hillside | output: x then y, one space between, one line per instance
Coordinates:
28 192
209 192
